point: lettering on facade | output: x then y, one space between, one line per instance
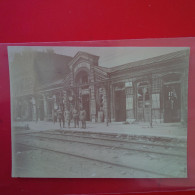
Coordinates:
85 91
128 84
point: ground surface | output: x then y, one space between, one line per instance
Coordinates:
78 153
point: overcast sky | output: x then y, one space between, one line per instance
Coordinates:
109 56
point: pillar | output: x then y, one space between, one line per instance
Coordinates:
184 98
65 99
29 105
112 103
105 103
92 96
45 107
33 108
93 104
112 94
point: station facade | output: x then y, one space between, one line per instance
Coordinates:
148 90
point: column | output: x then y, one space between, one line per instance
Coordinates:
45 106
184 98
33 108
29 105
72 78
111 99
105 103
55 106
65 99
92 98
93 104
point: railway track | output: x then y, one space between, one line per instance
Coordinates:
107 145
114 164
104 136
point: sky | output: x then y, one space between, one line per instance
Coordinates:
109 56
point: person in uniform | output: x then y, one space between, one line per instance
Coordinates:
82 117
61 118
54 116
75 115
67 116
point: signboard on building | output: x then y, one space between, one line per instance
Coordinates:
85 91
128 84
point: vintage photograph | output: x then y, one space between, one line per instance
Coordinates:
99 112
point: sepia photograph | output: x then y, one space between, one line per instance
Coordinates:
99 112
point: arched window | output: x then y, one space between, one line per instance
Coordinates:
82 78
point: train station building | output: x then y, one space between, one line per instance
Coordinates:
153 89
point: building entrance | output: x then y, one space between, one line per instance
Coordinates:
85 103
40 111
143 102
172 103
120 105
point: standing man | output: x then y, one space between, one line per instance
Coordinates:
75 115
67 116
61 117
82 117
54 116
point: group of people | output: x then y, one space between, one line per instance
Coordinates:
66 116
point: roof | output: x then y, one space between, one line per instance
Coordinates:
104 69
58 83
87 55
152 60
